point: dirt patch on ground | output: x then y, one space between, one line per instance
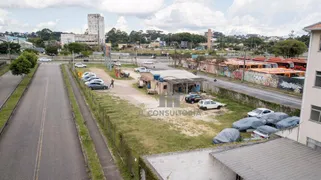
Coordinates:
187 119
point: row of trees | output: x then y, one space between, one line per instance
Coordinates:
24 63
116 36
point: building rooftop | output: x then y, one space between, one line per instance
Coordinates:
175 74
316 26
241 62
277 71
280 159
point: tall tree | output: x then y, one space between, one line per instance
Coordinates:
20 66
31 57
289 48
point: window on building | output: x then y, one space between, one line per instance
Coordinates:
316 145
315 113
238 177
318 79
165 86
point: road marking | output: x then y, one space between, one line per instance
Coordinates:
39 148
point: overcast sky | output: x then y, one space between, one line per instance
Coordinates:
266 17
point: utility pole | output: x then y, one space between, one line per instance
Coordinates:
244 65
73 61
98 30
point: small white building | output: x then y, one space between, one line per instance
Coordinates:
310 128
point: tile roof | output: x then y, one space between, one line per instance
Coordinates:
316 26
280 159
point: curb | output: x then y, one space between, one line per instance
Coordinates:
18 103
5 101
74 119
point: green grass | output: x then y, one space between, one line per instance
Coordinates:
4 69
96 171
14 98
145 135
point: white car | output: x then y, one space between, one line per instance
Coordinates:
86 74
100 81
44 59
259 112
80 65
209 104
148 62
85 78
142 69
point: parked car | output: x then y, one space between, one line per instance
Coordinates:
227 135
141 69
248 123
85 74
80 65
288 122
97 86
192 98
273 118
95 81
92 78
88 76
263 132
259 112
209 104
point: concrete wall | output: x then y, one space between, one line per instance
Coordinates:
270 80
311 95
289 133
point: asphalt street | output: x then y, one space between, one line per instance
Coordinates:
8 83
41 140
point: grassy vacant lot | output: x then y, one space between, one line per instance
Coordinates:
87 144
150 136
14 98
145 135
4 69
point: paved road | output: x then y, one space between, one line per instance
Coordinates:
8 83
258 93
41 139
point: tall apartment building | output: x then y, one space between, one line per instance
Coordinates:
310 128
96 25
95 33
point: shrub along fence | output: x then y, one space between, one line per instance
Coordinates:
116 139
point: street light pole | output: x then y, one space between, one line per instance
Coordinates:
244 65
73 61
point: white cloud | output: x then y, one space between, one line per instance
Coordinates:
134 7
274 17
122 24
266 17
186 14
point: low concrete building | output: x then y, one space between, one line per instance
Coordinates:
171 82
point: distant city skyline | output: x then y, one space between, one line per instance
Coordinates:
264 17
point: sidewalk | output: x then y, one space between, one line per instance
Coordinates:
106 160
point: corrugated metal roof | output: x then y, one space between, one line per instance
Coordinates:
280 159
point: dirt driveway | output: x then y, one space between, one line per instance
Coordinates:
187 119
